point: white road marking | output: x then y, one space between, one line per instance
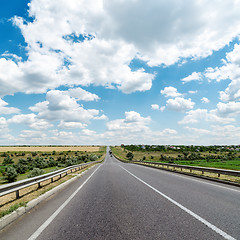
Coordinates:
51 218
201 181
208 224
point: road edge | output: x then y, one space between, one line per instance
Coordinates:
8 219
183 173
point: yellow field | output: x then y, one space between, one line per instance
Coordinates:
49 149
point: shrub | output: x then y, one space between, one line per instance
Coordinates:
21 168
36 172
34 154
4 155
7 160
93 158
129 156
11 174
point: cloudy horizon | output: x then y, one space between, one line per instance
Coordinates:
113 72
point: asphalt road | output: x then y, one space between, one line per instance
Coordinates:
115 200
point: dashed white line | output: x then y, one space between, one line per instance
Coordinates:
51 218
208 224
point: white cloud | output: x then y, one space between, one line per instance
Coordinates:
179 104
114 36
88 132
80 94
170 92
195 76
230 108
7 110
194 116
133 122
198 130
229 70
70 125
3 123
193 92
32 134
205 100
30 120
157 107
226 133
60 106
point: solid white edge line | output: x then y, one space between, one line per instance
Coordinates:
208 224
191 178
51 218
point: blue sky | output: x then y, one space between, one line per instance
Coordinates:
112 72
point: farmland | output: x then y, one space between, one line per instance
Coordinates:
20 162
225 157
48 148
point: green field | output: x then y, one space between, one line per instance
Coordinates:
48 161
216 161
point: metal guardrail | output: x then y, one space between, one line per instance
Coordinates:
201 169
16 186
175 167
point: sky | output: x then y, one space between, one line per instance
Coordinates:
110 72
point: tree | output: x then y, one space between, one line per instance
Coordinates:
11 174
36 172
129 156
7 160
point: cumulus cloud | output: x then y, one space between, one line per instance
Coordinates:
7 110
74 43
157 107
198 130
30 120
70 125
205 100
180 104
195 116
3 123
60 106
230 108
133 122
195 76
229 70
32 134
81 94
170 92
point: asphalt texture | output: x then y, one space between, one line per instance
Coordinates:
115 203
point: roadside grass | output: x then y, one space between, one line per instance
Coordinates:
156 157
10 204
12 209
99 151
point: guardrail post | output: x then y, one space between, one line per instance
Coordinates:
39 185
51 180
17 194
218 174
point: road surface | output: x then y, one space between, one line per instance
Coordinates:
116 200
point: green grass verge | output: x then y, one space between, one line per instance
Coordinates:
12 209
212 163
